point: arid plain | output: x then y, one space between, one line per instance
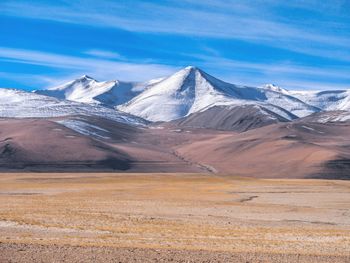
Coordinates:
89 217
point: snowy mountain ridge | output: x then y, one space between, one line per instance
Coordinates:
88 90
191 90
187 91
328 100
21 104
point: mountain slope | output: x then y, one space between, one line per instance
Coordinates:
87 143
335 117
328 100
88 90
43 145
230 118
297 149
191 90
21 104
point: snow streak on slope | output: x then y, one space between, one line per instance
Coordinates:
328 117
82 127
88 90
191 90
21 104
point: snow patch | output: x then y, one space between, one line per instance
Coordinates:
311 129
85 128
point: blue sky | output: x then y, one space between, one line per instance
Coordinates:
294 44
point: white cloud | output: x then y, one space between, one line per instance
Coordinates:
246 73
214 19
96 67
272 68
103 54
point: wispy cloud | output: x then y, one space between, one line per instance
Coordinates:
99 68
312 46
37 81
286 74
230 19
281 68
103 54
289 75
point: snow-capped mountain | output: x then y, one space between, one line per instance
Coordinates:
89 90
21 104
188 91
329 100
191 90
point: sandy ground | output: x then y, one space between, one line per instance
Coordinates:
172 218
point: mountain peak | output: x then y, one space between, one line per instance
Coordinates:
275 88
190 72
88 90
85 77
192 68
191 90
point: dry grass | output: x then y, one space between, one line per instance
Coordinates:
178 211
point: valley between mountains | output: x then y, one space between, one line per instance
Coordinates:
188 122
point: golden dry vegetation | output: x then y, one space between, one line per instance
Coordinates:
177 211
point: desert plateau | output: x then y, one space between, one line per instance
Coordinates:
70 217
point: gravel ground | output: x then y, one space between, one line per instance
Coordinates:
11 252
172 218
